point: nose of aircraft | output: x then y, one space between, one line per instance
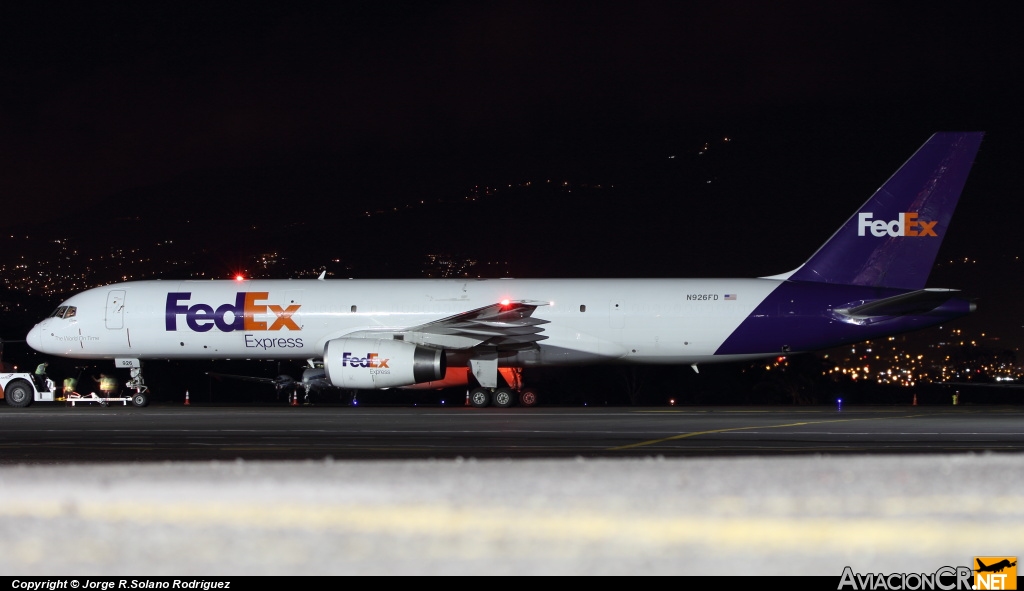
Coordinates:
35 338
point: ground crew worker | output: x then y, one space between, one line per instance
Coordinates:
41 375
70 385
108 384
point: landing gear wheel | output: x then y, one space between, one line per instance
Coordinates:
140 399
19 394
528 397
480 397
504 397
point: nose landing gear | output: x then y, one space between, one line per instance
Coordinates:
141 396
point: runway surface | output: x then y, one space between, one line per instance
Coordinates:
338 490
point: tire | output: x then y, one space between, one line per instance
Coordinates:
528 397
504 397
140 399
479 397
19 393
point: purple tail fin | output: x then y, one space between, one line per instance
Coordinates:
893 239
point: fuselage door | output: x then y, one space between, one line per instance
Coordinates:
115 309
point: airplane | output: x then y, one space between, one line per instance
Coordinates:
994 568
867 281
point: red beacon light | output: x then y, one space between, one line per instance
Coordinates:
239 277
505 302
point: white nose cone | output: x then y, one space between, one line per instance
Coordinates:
35 339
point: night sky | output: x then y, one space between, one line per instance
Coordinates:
366 99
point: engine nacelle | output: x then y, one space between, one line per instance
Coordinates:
364 364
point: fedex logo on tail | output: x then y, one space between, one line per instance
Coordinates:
371 360
906 225
229 317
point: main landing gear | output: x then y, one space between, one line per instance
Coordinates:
503 397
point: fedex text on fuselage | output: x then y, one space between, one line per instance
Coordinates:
241 315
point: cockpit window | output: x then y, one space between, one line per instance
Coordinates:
72 310
64 312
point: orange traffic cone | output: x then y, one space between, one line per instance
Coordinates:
295 398
186 398
915 399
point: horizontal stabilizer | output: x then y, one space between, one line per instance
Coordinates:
921 301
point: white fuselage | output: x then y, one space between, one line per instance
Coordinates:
638 320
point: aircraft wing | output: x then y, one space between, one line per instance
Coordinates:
279 381
508 325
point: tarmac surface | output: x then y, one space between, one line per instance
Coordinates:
948 489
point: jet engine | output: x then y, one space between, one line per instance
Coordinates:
380 363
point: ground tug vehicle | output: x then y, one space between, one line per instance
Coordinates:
20 389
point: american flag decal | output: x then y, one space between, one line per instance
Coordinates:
730 296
